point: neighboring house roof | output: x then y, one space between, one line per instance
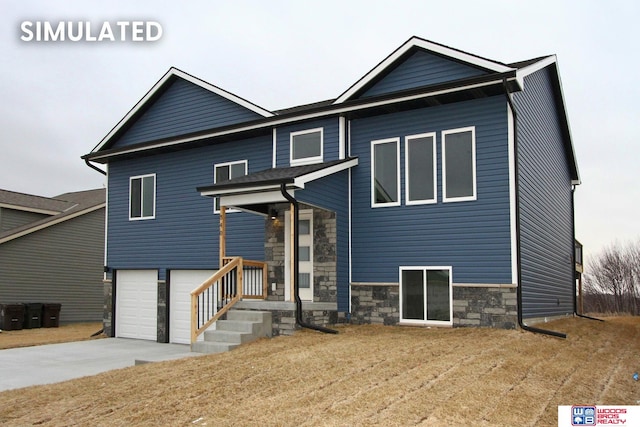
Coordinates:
71 205
493 80
30 203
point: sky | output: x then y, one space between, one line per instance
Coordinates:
58 100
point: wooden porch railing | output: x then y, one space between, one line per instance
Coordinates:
237 279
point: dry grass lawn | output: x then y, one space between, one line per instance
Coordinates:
40 336
366 375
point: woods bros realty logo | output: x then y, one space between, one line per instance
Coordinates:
591 415
86 31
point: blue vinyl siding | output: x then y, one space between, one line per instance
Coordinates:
331 193
422 69
331 146
184 108
473 237
185 232
545 203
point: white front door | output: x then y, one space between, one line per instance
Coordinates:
305 265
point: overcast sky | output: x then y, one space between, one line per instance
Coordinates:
58 100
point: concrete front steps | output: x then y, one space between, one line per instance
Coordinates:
241 326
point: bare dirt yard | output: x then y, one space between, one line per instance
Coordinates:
366 375
40 336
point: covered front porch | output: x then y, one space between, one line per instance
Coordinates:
300 241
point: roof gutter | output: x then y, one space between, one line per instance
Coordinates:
296 256
517 214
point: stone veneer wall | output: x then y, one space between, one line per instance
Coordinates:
107 317
494 306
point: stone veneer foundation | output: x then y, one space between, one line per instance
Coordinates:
473 305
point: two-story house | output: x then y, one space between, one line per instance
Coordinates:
436 190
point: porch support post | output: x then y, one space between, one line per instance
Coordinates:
223 235
292 248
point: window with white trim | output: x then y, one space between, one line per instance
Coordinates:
142 197
459 165
426 295
226 171
420 169
385 172
306 147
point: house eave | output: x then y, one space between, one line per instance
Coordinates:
353 107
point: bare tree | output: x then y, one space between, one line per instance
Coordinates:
612 283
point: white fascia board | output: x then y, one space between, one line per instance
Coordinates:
523 72
240 190
28 209
302 180
239 200
175 72
427 45
51 223
302 117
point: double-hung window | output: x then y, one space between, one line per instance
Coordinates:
226 171
385 172
306 147
459 165
420 168
142 197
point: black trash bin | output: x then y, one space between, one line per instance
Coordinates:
11 317
51 315
32 315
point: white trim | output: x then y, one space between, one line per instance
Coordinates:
523 72
178 73
28 209
219 165
372 176
407 170
512 194
303 179
106 216
474 196
240 190
424 270
239 200
155 184
341 137
485 285
350 238
274 158
306 160
51 223
277 122
429 46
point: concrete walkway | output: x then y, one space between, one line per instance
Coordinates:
46 364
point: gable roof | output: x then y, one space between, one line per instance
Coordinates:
75 204
413 43
160 86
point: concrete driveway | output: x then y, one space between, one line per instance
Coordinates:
46 364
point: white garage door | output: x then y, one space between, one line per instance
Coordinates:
137 304
181 284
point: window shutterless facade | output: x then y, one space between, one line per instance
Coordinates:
306 147
385 172
226 171
142 197
459 165
420 169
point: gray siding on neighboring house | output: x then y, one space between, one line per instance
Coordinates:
330 131
545 203
330 193
471 236
13 218
59 264
183 108
185 231
422 69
